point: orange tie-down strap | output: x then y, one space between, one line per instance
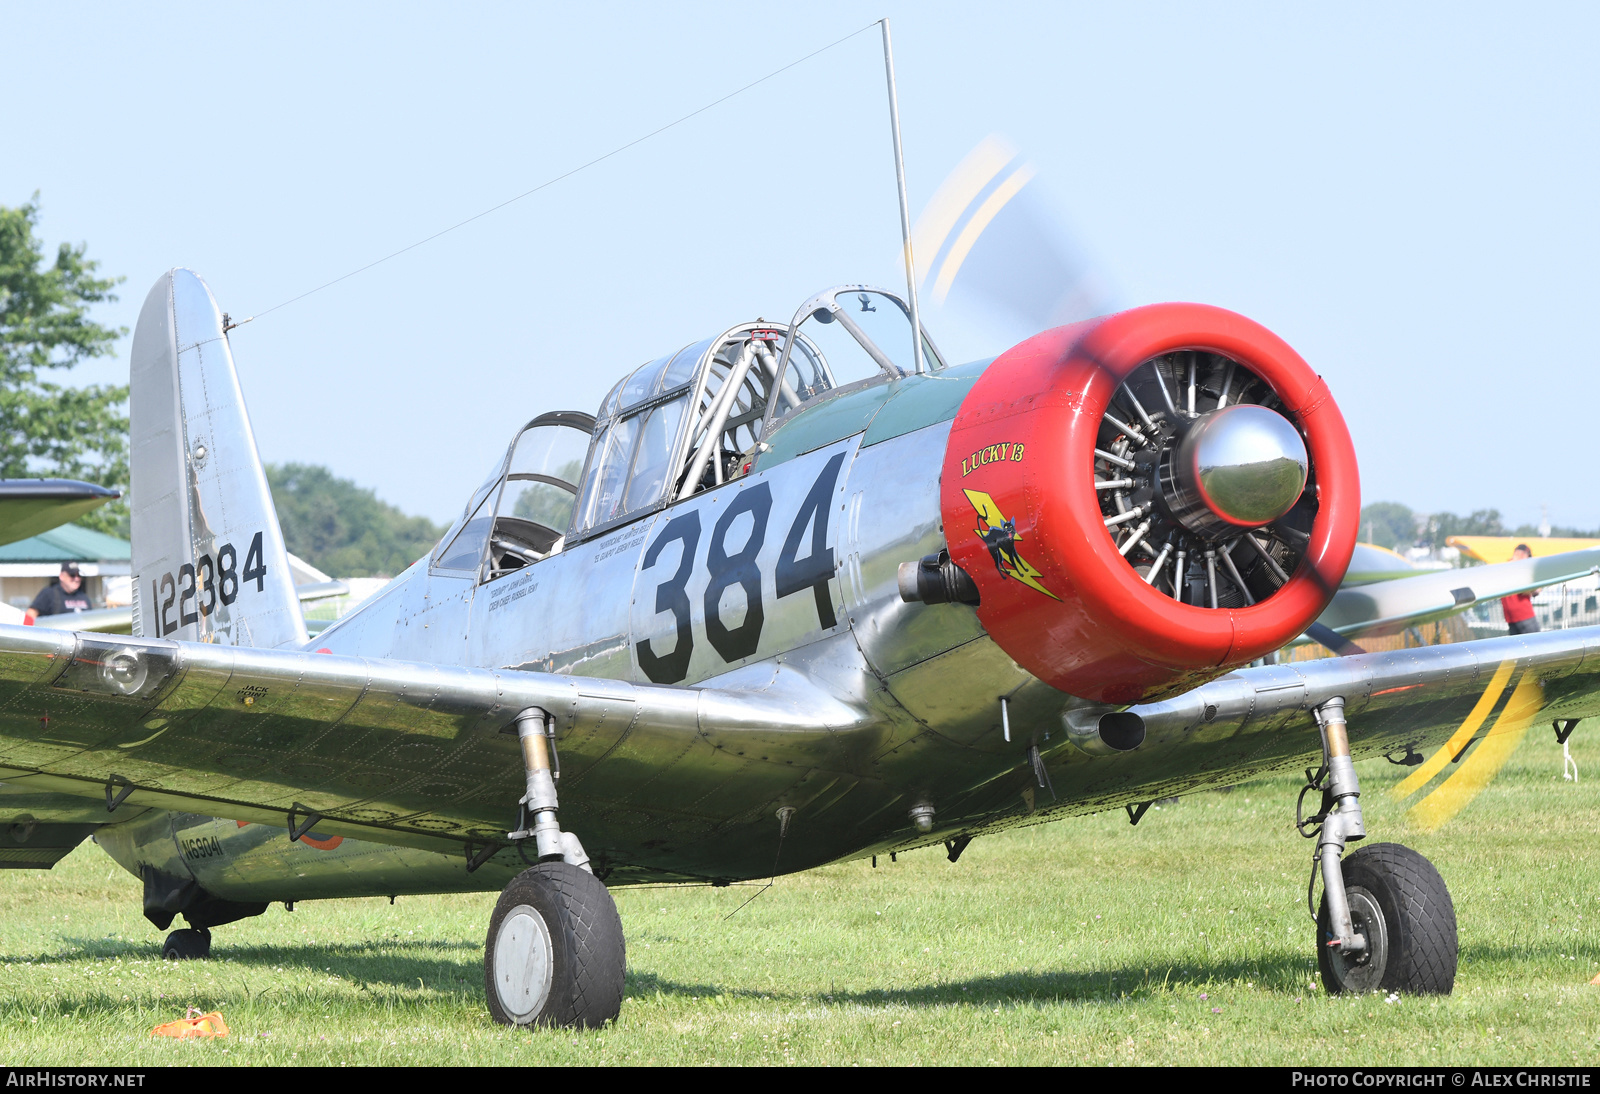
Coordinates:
195 1025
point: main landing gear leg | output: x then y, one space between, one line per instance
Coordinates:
555 953
1386 922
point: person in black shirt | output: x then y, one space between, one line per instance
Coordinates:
64 594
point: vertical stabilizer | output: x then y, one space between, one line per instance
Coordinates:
208 557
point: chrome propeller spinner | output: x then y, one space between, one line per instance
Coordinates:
1238 467
1205 492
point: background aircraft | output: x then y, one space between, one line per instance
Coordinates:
31 506
783 600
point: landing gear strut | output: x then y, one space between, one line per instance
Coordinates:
555 954
1386 921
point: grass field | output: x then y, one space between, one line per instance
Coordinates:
1184 940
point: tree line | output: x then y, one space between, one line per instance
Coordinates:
1390 524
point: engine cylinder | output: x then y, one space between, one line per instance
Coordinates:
1148 500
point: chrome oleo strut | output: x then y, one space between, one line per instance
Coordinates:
536 731
1341 822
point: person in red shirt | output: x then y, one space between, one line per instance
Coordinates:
1518 607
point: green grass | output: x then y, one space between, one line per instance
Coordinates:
1184 940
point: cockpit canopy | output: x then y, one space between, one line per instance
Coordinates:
683 423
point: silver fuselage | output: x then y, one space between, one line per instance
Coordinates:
688 594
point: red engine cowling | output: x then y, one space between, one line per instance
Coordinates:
1104 564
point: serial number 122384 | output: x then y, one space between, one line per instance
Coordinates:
201 586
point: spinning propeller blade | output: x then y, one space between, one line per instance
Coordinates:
990 239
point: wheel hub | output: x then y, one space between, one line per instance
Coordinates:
524 964
1362 972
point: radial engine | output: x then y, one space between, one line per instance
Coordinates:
1148 500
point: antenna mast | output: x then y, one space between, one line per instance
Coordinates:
905 211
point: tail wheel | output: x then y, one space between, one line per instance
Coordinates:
1400 904
555 953
188 944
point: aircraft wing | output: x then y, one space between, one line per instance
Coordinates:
391 751
1390 606
31 506
419 755
1452 713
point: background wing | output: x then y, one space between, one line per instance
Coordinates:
1390 606
31 506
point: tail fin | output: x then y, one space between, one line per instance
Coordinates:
208 557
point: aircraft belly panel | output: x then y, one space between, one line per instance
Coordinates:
959 692
256 862
21 800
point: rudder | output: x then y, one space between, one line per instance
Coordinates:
208 558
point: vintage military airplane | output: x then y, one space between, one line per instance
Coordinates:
786 597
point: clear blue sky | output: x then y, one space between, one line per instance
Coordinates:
1405 193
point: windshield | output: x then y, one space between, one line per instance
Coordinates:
542 477
637 439
845 336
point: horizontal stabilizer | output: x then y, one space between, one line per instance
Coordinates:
120 620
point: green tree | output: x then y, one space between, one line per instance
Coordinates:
1557 531
343 529
1388 524
46 428
1479 522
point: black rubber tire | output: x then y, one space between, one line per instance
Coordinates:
1419 925
588 953
187 944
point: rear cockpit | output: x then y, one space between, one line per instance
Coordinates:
675 426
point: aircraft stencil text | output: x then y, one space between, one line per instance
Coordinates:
201 586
